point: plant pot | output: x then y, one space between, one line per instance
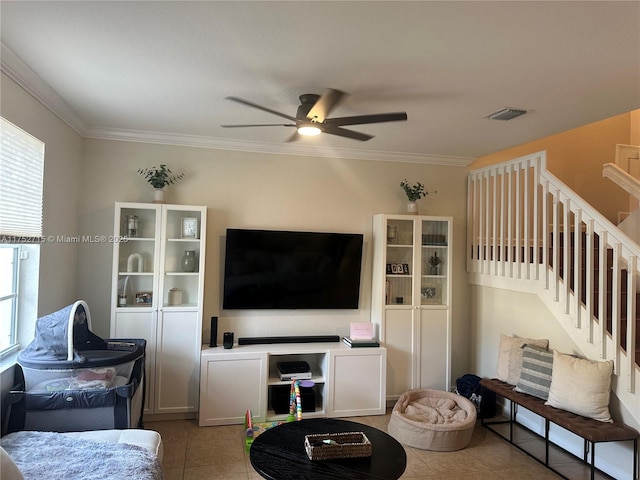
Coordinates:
158 195
434 270
412 208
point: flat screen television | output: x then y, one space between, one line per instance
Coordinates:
267 269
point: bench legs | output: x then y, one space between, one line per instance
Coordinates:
589 447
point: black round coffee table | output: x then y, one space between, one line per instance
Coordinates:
279 454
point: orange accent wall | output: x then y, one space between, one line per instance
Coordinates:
635 128
576 157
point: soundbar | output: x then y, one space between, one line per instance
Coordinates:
288 339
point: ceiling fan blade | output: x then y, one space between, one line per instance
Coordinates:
325 104
362 119
343 132
294 137
260 107
260 125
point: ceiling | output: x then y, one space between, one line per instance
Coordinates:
160 71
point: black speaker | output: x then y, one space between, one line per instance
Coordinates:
288 339
227 339
213 342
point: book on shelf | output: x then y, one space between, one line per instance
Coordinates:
360 342
360 330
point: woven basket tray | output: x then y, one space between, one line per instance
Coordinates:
327 446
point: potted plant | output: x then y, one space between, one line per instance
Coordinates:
414 193
158 178
434 264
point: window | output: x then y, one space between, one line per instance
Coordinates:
8 295
21 172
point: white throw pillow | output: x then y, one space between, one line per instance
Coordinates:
510 356
8 469
581 386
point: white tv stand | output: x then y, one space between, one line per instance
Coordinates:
348 381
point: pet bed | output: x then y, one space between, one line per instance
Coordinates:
433 420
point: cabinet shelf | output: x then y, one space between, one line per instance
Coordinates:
138 239
277 381
134 274
180 306
275 417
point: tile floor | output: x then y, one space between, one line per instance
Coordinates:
199 453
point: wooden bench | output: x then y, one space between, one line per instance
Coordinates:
592 431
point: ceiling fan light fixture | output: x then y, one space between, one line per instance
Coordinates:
309 130
311 117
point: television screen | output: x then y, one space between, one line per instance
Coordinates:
266 269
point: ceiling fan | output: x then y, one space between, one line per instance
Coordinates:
311 117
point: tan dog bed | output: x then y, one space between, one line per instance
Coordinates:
433 420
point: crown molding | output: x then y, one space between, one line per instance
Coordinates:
28 79
24 76
164 138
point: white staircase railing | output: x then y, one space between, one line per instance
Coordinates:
622 178
524 225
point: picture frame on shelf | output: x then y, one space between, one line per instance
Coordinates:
189 228
431 293
397 269
144 298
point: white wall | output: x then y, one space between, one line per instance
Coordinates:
57 262
62 178
251 190
496 311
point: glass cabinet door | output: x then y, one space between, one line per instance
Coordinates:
137 247
399 262
434 262
181 255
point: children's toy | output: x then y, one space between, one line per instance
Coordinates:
295 403
254 429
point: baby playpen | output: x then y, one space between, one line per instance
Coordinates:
69 379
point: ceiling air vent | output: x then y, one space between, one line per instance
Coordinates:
506 114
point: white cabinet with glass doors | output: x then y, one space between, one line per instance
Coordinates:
157 294
411 299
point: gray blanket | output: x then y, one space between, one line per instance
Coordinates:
48 455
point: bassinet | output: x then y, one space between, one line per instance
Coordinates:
69 379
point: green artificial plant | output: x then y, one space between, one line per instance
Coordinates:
435 260
160 177
413 192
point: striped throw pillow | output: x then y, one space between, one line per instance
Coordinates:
535 376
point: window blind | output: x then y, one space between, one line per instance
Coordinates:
21 172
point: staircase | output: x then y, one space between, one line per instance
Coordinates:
524 226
